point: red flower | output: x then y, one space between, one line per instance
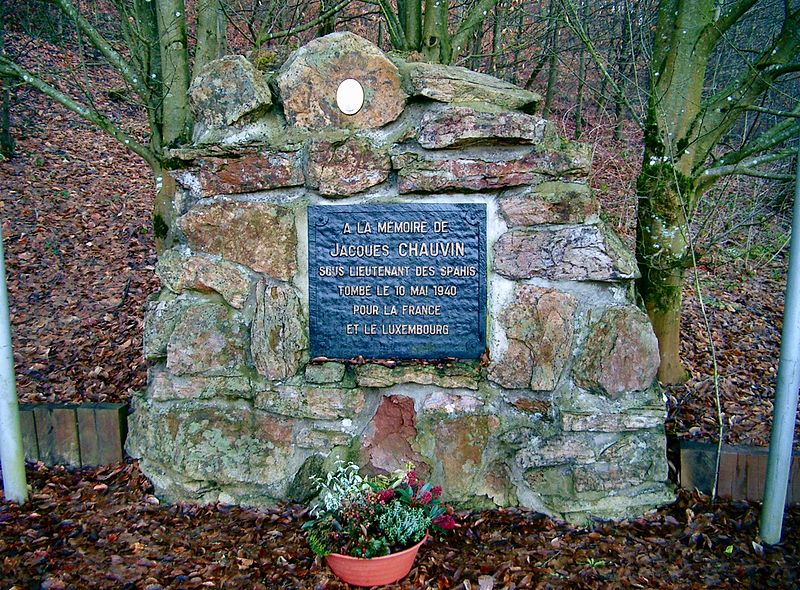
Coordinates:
411 478
425 497
437 491
385 495
445 522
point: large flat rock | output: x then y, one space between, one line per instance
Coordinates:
453 84
261 236
577 253
462 125
476 170
310 78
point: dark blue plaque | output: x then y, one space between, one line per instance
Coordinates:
397 281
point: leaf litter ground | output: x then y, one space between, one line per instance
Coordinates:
76 211
103 528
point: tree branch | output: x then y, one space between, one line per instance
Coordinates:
97 40
721 111
470 23
767 111
748 167
730 18
263 38
574 23
396 31
10 69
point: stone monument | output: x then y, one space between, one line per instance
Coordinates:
393 261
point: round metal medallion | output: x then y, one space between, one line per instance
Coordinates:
350 97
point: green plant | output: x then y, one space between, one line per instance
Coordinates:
404 525
593 563
369 517
343 484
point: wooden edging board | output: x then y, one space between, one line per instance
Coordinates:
77 435
742 471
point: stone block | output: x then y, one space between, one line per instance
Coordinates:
390 436
622 422
323 373
559 450
605 477
101 432
303 487
620 354
461 375
451 403
321 403
481 170
533 405
514 369
551 481
227 91
576 253
279 340
549 203
630 502
581 402
180 270
27 425
460 445
344 168
539 326
214 444
309 80
459 126
208 339
320 439
453 84
164 386
261 236
160 318
249 173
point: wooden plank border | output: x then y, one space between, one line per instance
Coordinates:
742 471
77 435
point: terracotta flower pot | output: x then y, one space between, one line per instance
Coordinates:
376 571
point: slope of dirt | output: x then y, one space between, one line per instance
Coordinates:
745 315
103 529
76 209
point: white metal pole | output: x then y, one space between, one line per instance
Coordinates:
785 408
12 455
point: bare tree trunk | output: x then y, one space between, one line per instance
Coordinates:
664 187
552 76
624 63
436 39
145 49
517 49
497 27
602 97
174 71
477 49
211 28
412 24
582 7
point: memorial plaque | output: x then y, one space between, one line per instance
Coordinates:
397 281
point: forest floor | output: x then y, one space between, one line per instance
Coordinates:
76 215
104 529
